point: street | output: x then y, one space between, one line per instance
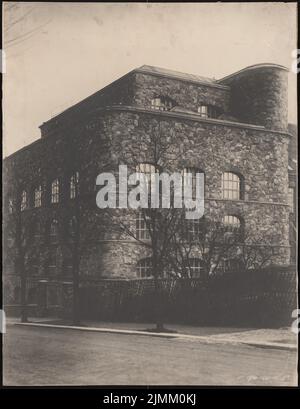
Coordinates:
49 356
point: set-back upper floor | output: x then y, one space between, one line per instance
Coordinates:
255 95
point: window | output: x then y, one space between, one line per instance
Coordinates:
291 199
72 227
191 177
149 171
202 110
74 185
195 229
232 221
142 231
234 228
144 267
195 267
68 262
33 264
53 233
37 230
10 206
24 202
162 103
231 186
55 191
38 196
208 111
52 259
17 295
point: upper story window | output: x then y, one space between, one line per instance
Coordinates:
142 231
162 103
55 191
232 186
291 199
149 171
10 205
74 185
144 267
208 111
38 196
24 200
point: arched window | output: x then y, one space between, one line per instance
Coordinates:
195 267
234 228
162 103
142 231
38 196
24 200
55 191
144 268
232 222
10 205
232 186
192 177
74 185
53 232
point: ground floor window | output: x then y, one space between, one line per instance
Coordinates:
144 268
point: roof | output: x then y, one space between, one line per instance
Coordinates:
252 67
176 74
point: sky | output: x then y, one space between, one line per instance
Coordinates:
56 54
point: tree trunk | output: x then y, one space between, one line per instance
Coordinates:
76 309
158 296
24 317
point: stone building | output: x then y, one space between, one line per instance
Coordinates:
234 130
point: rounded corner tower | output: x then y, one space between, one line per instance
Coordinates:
259 95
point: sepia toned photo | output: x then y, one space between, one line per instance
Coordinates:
150 195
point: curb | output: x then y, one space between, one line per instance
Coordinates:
206 339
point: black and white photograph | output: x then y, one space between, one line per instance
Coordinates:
149 195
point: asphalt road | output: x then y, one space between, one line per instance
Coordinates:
43 356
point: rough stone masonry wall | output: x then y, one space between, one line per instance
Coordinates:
259 156
187 95
260 96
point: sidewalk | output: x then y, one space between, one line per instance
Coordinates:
282 338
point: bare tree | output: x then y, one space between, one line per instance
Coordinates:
161 223
215 243
18 233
